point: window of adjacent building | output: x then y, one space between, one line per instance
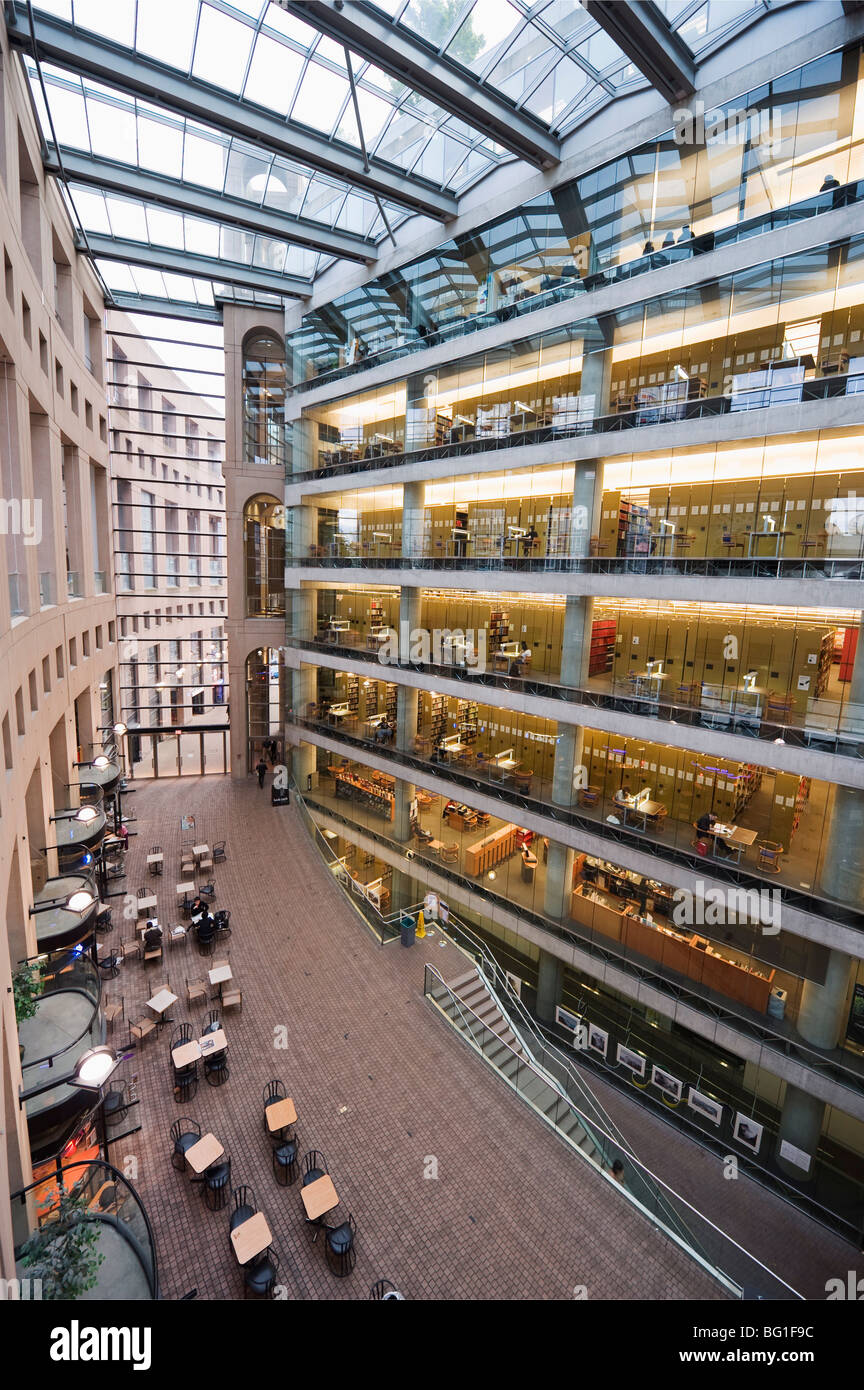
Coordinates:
264 400
264 546
30 206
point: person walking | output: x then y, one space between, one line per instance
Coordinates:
261 769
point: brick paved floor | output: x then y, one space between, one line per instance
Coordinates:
381 1085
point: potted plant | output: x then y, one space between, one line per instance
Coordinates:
61 1253
26 988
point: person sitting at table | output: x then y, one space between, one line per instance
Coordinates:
198 909
520 660
152 936
706 822
623 796
529 540
205 928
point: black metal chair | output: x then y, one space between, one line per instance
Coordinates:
314 1167
273 1092
216 1071
259 1280
207 890
217 1183
185 1083
383 1290
104 924
245 1206
182 1034
109 966
184 1133
212 1023
285 1162
340 1247
219 855
115 1104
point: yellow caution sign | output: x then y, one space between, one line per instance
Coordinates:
421 925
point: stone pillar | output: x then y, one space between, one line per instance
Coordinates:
841 874
550 974
303 765
576 641
823 1011
597 366
801 1125
559 878
300 436
302 533
413 514
405 792
566 779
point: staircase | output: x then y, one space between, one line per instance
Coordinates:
469 1005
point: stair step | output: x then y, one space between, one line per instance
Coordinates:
533 1088
462 980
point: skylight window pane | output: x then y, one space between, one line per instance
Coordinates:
70 117
222 49
116 276
243 167
284 23
166 30
201 238
92 210
432 20
269 254
322 94
115 21
485 34
204 161
127 220
148 281
61 8
112 132
286 189
165 228
274 75
160 147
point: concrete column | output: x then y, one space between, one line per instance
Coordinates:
576 641
405 792
550 974
303 612
824 1008
597 366
801 1125
841 874
559 877
586 506
413 512
566 780
300 437
302 532
303 765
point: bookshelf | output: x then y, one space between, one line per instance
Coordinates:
602 646
499 628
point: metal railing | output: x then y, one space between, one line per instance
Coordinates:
69 972
110 1198
663 566
574 287
737 718
513 801
772 398
720 1256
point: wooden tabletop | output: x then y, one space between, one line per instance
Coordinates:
184 888
205 1152
161 1001
319 1197
200 850
212 1043
219 975
186 1054
145 904
155 858
737 835
251 1237
280 1114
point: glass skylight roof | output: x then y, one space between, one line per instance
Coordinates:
546 57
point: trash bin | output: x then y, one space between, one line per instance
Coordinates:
407 930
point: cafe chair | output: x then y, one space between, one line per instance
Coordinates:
217 1183
383 1291
112 1011
340 1249
259 1279
449 853
245 1206
104 924
273 1092
115 1104
222 918
207 890
589 796
129 948
142 1029
522 780
232 998
314 1167
770 855
285 1169
185 1083
219 855
655 823
184 1133
109 965
176 934
195 990
212 1023
216 1070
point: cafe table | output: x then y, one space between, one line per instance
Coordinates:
211 1043
206 1151
319 1197
220 976
183 889
251 1237
200 850
281 1115
185 1055
146 904
160 1003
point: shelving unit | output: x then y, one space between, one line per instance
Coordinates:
499 628
438 717
602 646
468 716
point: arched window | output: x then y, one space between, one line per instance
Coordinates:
264 702
264 400
264 545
